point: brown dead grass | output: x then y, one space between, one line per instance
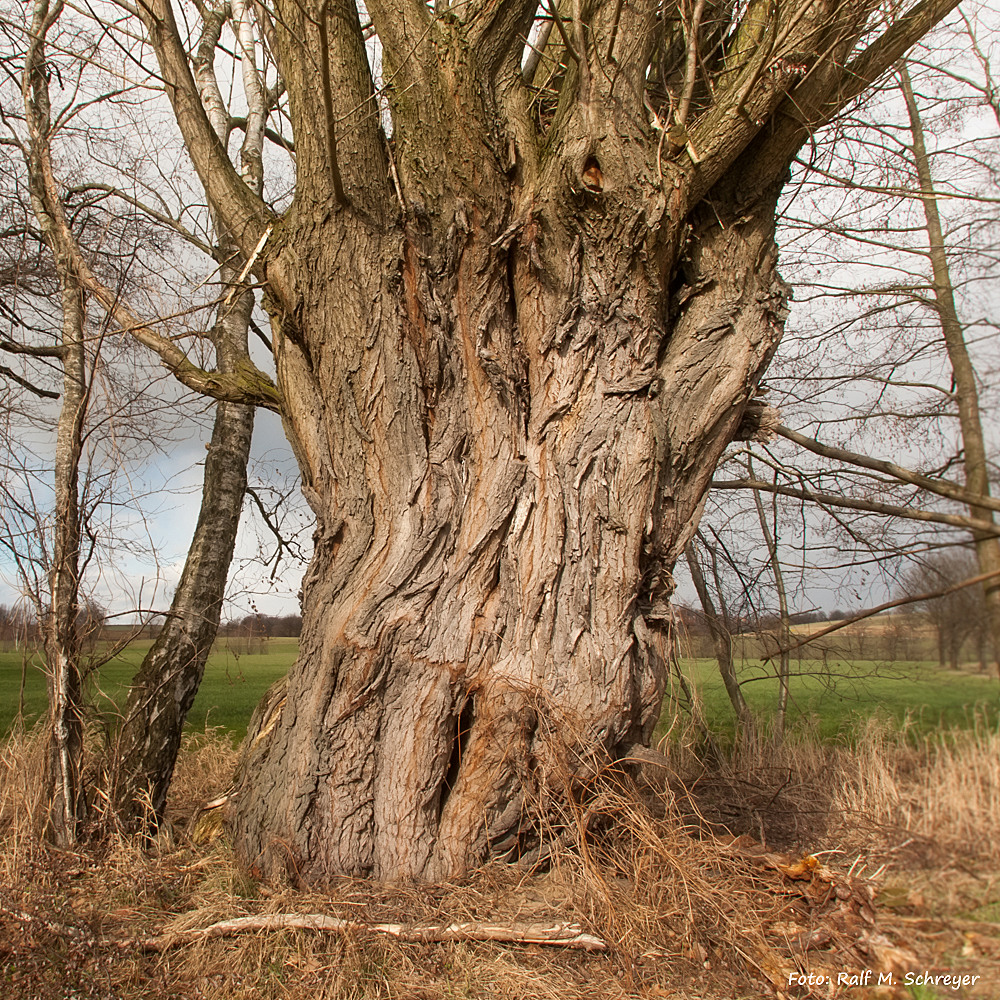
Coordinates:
688 910
943 791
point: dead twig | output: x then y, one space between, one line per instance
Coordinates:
564 935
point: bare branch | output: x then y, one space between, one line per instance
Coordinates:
147 209
882 54
942 487
898 603
11 347
872 506
25 384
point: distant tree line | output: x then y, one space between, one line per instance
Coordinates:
19 626
694 621
265 626
251 633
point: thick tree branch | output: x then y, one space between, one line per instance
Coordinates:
244 214
942 487
883 53
246 383
402 26
871 506
331 123
339 146
537 50
821 96
494 29
12 347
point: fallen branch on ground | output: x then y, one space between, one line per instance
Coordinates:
564 935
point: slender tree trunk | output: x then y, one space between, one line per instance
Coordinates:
142 757
977 473
59 627
954 648
722 640
67 806
140 760
784 633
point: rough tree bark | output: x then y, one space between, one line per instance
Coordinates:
510 349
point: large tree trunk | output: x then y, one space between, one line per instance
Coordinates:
511 345
497 436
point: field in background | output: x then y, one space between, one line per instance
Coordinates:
234 682
829 694
834 696
884 638
894 868
904 821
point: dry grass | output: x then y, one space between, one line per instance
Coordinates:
20 797
945 790
687 910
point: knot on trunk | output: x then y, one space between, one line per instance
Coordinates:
760 422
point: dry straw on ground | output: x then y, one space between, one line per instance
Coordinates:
686 909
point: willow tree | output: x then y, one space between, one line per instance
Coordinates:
518 309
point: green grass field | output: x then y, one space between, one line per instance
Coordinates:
835 696
228 695
831 698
